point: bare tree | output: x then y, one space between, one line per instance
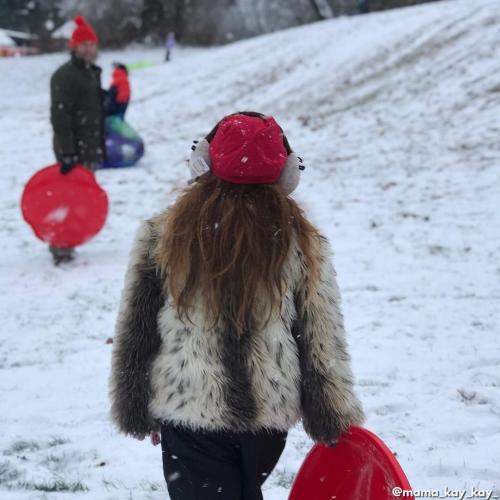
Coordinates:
209 22
116 21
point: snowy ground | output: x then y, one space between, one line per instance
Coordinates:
397 116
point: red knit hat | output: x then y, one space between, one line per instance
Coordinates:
248 150
83 33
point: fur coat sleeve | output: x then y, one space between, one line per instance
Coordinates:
329 404
137 339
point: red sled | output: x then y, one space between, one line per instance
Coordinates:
359 467
64 210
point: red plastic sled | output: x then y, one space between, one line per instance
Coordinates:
64 210
359 467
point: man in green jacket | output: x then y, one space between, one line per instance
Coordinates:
76 110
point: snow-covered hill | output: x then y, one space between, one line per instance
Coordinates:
397 116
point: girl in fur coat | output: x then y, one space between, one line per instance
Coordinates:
230 330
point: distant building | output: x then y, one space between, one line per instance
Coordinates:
64 31
16 43
59 38
6 42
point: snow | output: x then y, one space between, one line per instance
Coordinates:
397 117
6 40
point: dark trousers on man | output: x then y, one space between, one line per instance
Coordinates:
218 465
65 254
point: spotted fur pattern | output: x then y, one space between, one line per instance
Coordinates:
329 405
137 340
199 376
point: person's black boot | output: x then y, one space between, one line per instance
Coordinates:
61 255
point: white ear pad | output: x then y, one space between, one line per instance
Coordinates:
290 176
199 163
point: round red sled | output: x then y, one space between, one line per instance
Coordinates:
359 467
64 210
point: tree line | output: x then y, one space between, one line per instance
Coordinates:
197 22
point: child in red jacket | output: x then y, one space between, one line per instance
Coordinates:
118 95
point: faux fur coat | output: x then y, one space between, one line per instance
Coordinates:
298 367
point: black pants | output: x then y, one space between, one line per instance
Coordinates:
66 254
216 465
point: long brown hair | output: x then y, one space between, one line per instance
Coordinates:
228 243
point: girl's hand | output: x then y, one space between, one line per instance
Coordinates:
332 443
155 438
